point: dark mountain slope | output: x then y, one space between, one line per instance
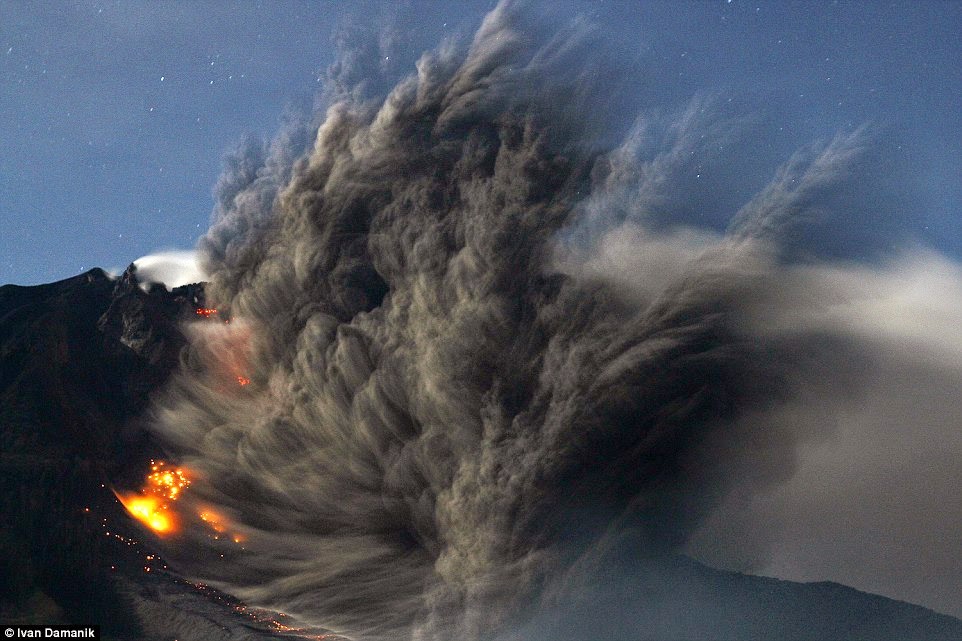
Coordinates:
78 360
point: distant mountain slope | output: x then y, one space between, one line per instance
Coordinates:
678 599
79 360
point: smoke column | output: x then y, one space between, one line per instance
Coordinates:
481 353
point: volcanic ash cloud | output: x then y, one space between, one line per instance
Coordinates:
475 363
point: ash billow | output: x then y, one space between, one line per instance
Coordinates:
484 363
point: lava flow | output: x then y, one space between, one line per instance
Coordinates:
152 505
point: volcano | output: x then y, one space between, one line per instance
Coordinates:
81 359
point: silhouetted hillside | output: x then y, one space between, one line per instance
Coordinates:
80 359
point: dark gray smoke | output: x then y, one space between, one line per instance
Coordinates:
479 351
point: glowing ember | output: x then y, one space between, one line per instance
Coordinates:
243 380
212 519
152 506
167 483
219 524
206 312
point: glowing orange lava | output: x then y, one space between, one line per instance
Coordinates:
243 380
149 511
219 524
152 506
165 482
212 519
206 312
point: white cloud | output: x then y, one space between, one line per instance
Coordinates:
172 268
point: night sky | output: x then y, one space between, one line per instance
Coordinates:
115 120
115 116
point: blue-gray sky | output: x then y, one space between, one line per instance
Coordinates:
115 116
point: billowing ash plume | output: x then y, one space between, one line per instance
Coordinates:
480 354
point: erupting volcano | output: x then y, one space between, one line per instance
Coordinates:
536 334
